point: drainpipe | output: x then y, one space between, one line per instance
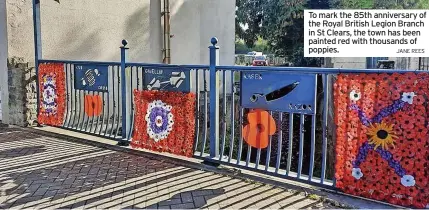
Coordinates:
167 58
156 31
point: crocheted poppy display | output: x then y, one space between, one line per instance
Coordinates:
52 94
93 105
164 121
382 142
261 126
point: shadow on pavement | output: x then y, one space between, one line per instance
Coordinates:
22 151
187 200
52 171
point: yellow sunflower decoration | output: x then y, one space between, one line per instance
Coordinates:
382 135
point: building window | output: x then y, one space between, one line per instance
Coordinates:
371 62
423 63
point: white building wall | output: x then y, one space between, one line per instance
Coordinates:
93 29
349 63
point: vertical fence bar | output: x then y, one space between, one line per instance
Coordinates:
268 157
224 115
279 143
258 157
258 153
249 152
289 153
197 110
324 126
131 101
118 102
313 137
95 93
420 63
214 99
240 146
143 75
125 108
72 95
427 63
75 103
301 143
114 103
67 118
138 78
203 146
109 69
231 143
80 110
82 98
85 114
101 114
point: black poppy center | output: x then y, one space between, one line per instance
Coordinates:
409 96
260 128
356 95
382 134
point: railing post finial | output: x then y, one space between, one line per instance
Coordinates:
124 43
214 41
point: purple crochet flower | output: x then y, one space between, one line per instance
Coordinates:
159 120
48 95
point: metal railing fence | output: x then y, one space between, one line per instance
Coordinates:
302 147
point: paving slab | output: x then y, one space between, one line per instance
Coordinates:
33 174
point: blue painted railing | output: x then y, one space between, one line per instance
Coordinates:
219 116
226 138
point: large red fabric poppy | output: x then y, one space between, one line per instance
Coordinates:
93 105
261 126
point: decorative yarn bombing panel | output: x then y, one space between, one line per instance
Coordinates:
382 137
52 94
164 121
